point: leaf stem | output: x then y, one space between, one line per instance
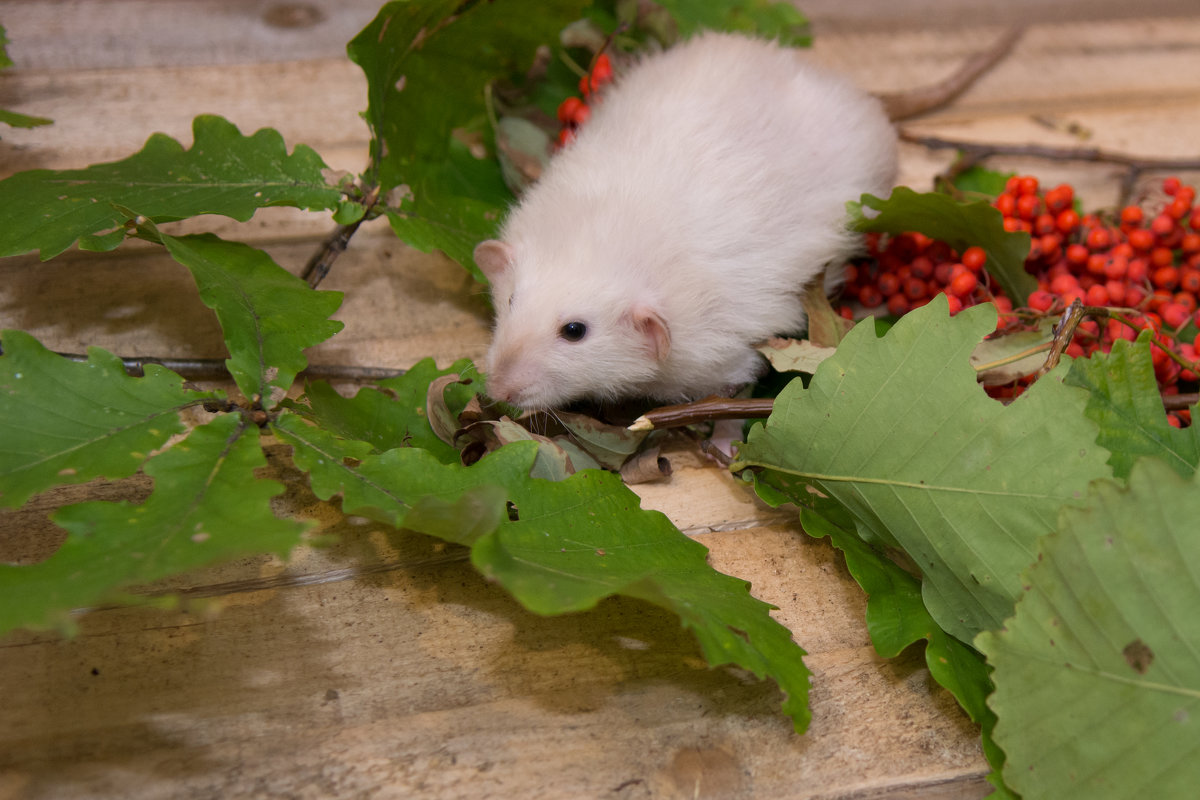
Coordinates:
1015 357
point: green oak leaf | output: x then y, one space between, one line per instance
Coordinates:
1098 672
775 20
451 206
387 485
13 118
960 225
5 60
207 505
897 430
64 422
896 615
392 415
223 172
268 316
427 65
897 618
981 181
1126 405
582 539
557 546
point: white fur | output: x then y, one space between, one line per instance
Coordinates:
709 187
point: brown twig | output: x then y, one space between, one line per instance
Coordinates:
974 152
322 261
214 368
1175 402
903 105
1063 333
706 410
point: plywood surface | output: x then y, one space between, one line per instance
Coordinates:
385 666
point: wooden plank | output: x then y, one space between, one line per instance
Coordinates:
105 115
69 35
421 681
400 305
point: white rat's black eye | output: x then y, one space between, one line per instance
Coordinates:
573 331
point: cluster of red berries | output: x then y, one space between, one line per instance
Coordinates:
574 111
907 271
1142 265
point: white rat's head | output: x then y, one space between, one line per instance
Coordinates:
558 341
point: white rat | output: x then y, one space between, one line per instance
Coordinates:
681 226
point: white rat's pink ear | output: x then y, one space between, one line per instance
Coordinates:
654 331
494 257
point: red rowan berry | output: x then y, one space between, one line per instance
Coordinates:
1027 206
1132 215
1141 238
898 305
1041 301
974 258
869 296
1097 295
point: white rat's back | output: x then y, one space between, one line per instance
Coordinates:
709 186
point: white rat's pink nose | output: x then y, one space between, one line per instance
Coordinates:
498 390
500 386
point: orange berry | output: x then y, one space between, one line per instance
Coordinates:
974 258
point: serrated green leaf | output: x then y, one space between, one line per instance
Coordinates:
775 20
1126 405
268 316
5 61
13 118
896 616
63 422
982 181
961 225
898 431
580 540
451 206
223 172
16 119
207 505
348 212
393 415
1098 673
388 485
569 544
427 65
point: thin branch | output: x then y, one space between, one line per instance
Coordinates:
214 368
1064 331
322 261
974 152
983 150
1175 402
706 410
903 105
